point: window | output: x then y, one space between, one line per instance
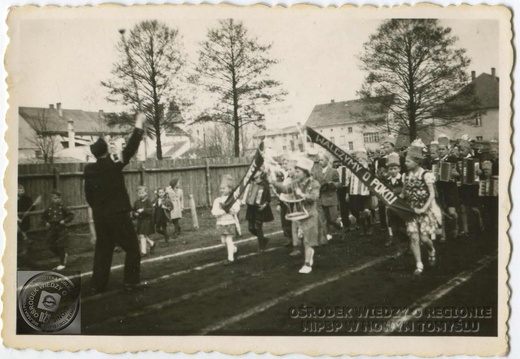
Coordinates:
350 146
342 141
479 138
285 148
371 137
38 153
332 140
478 120
350 130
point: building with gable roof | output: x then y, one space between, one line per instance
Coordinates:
483 124
74 130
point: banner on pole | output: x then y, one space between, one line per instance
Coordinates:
258 161
380 189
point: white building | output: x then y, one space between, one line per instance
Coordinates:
72 131
281 140
482 125
352 124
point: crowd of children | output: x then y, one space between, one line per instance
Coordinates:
444 183
150 216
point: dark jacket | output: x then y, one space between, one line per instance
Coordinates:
57 212
24 204
105 188
254 199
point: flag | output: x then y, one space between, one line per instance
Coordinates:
383 193
258 161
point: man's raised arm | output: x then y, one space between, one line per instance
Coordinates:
133 143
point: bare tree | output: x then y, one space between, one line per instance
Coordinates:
147 77
46 136
234 66
416 61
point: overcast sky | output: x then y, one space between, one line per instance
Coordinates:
64 60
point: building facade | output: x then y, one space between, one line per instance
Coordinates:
483 123
68 134
353 124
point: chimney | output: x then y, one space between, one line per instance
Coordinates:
493 72
332 101
473 75
70 132
51 106
58 106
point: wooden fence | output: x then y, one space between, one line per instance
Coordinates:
198 177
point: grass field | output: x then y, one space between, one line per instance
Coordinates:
191 292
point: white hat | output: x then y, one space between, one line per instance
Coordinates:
312 152
305 164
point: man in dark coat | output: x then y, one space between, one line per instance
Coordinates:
106 194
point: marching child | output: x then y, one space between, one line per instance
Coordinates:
360 198
226 221
447 191
258 208
176 196
488 193
56 216
395 183
306 188
419 192
468 192
142 211
162 208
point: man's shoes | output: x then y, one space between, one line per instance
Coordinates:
60 267
389 242
135 287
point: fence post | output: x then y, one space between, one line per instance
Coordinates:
142 174
193 209
208 182
56 178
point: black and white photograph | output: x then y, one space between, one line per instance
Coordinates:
251 172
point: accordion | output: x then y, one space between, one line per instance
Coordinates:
489 187
444 171
255 195
469 171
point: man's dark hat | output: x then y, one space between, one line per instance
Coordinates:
99 148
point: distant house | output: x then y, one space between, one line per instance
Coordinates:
483 124
72 131
280 140
352 124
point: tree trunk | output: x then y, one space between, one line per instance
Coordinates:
236 120
156 108
413 128
236 128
